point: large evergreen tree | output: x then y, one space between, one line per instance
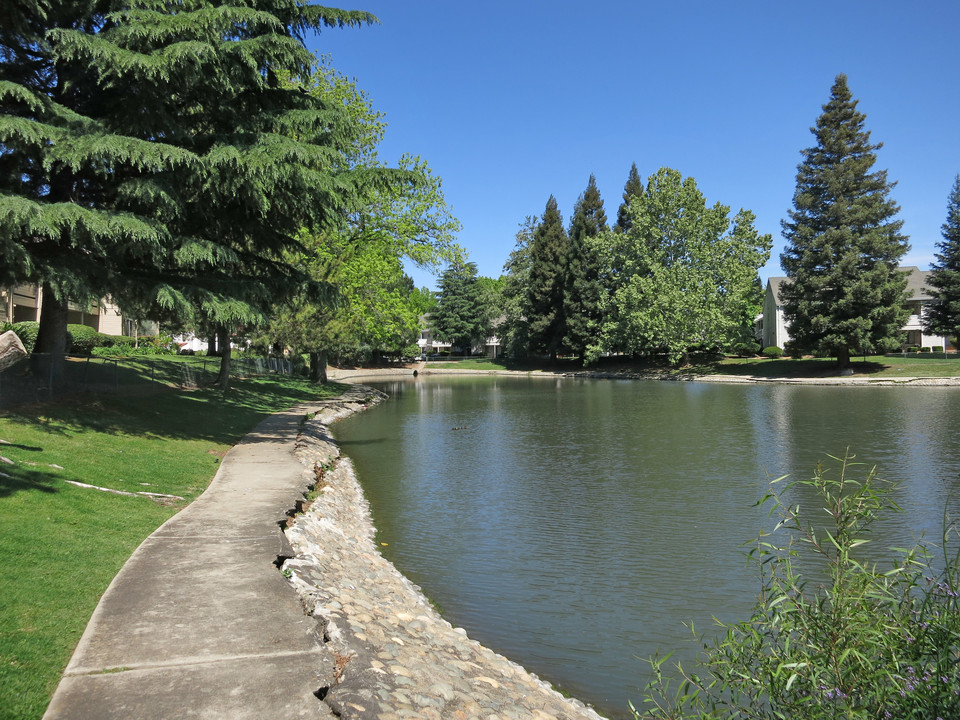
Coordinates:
514 330
459 316
190 197
943 314
581 302
844 292
549 251
67 174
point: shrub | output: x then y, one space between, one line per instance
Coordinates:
27 332
924 349
937 348
792 350
855 641
122 341
772 352
158 345
913 349
84 339
411 350
746 349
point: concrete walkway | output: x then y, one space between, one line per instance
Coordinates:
200 623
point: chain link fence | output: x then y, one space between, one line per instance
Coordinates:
41 377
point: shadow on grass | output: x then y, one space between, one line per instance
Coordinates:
13 480
790 368
202 414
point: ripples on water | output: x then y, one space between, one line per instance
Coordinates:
576 525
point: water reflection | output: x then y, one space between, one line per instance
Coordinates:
575 525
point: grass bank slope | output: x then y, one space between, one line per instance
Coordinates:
62 544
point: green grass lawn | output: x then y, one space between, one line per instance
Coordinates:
874 366
61 545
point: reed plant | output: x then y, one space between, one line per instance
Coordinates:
831 635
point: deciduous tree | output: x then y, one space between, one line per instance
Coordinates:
844 291
688 271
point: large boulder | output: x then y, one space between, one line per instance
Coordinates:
11 350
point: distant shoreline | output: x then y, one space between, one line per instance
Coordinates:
348 374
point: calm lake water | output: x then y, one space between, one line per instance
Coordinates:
576 525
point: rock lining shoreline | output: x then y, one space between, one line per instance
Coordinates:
394 656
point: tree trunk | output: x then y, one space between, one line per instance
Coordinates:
52 337
843 358
318 367
223 338
212 344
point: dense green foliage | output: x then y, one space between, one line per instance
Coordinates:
832 635
583 291
375 309
26 331
844 293
459 317
189 203
514 330
685 272
549 251
672 276
942 316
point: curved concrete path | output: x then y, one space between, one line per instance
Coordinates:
200 623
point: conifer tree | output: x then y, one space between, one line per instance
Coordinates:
514 331
549 251
942 316
631 189
581 302
844 291
458 318
190 197
66 221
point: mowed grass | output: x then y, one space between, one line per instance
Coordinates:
874 366
61 545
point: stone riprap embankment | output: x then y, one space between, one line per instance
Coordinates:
394 656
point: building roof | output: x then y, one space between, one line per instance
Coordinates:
916 284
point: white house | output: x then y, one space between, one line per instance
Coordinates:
429 345
774 330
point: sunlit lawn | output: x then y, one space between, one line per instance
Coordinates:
61 545
874 366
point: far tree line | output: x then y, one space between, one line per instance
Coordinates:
673 275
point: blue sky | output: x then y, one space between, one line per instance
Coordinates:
511 101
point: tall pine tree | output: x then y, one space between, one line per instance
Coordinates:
943 314
581 302
549 251
844 291
459 318
631 189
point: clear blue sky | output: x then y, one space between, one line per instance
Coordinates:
511 101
